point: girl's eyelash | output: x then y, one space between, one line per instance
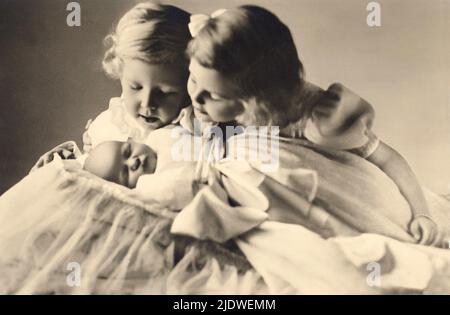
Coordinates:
215 97
162 91
168 92
135 87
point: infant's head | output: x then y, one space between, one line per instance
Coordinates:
121 162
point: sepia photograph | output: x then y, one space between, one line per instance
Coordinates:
213 147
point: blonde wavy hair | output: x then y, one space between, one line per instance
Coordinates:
153 33
255 50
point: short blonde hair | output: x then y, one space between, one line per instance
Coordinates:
154 33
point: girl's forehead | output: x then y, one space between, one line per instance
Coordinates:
171 74
211 79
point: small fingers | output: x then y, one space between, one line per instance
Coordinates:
86 137
48 158
428 235
66 154
425 239
36 166
434 236
87 148
65 151
65 146
87 144
88 124
415 230
41 162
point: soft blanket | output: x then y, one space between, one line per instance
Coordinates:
61 218
60 225
333 192
332 197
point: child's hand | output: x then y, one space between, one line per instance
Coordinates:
65 151
87 143
424 230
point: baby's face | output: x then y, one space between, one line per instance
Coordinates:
153 93
121 162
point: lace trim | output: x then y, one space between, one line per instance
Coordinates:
123 120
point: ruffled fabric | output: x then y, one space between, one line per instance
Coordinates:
123 120
116 124
349 127
121 244
162 186
60 216
225 208
292 259
203 142
332 192
113 124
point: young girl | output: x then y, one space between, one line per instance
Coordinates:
147 54
245 68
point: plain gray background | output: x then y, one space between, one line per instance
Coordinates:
51 81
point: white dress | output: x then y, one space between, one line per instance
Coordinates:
115 124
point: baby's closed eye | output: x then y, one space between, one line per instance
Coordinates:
135 165
216 97
123 176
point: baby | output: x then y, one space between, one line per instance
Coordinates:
121 162
135 165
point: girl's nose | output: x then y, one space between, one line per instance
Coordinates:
198 98
148 102
196 95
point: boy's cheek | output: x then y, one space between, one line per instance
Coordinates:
131 106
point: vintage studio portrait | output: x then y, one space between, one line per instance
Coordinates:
212 147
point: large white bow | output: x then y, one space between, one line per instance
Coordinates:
198 21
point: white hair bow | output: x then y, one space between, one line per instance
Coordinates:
198 21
